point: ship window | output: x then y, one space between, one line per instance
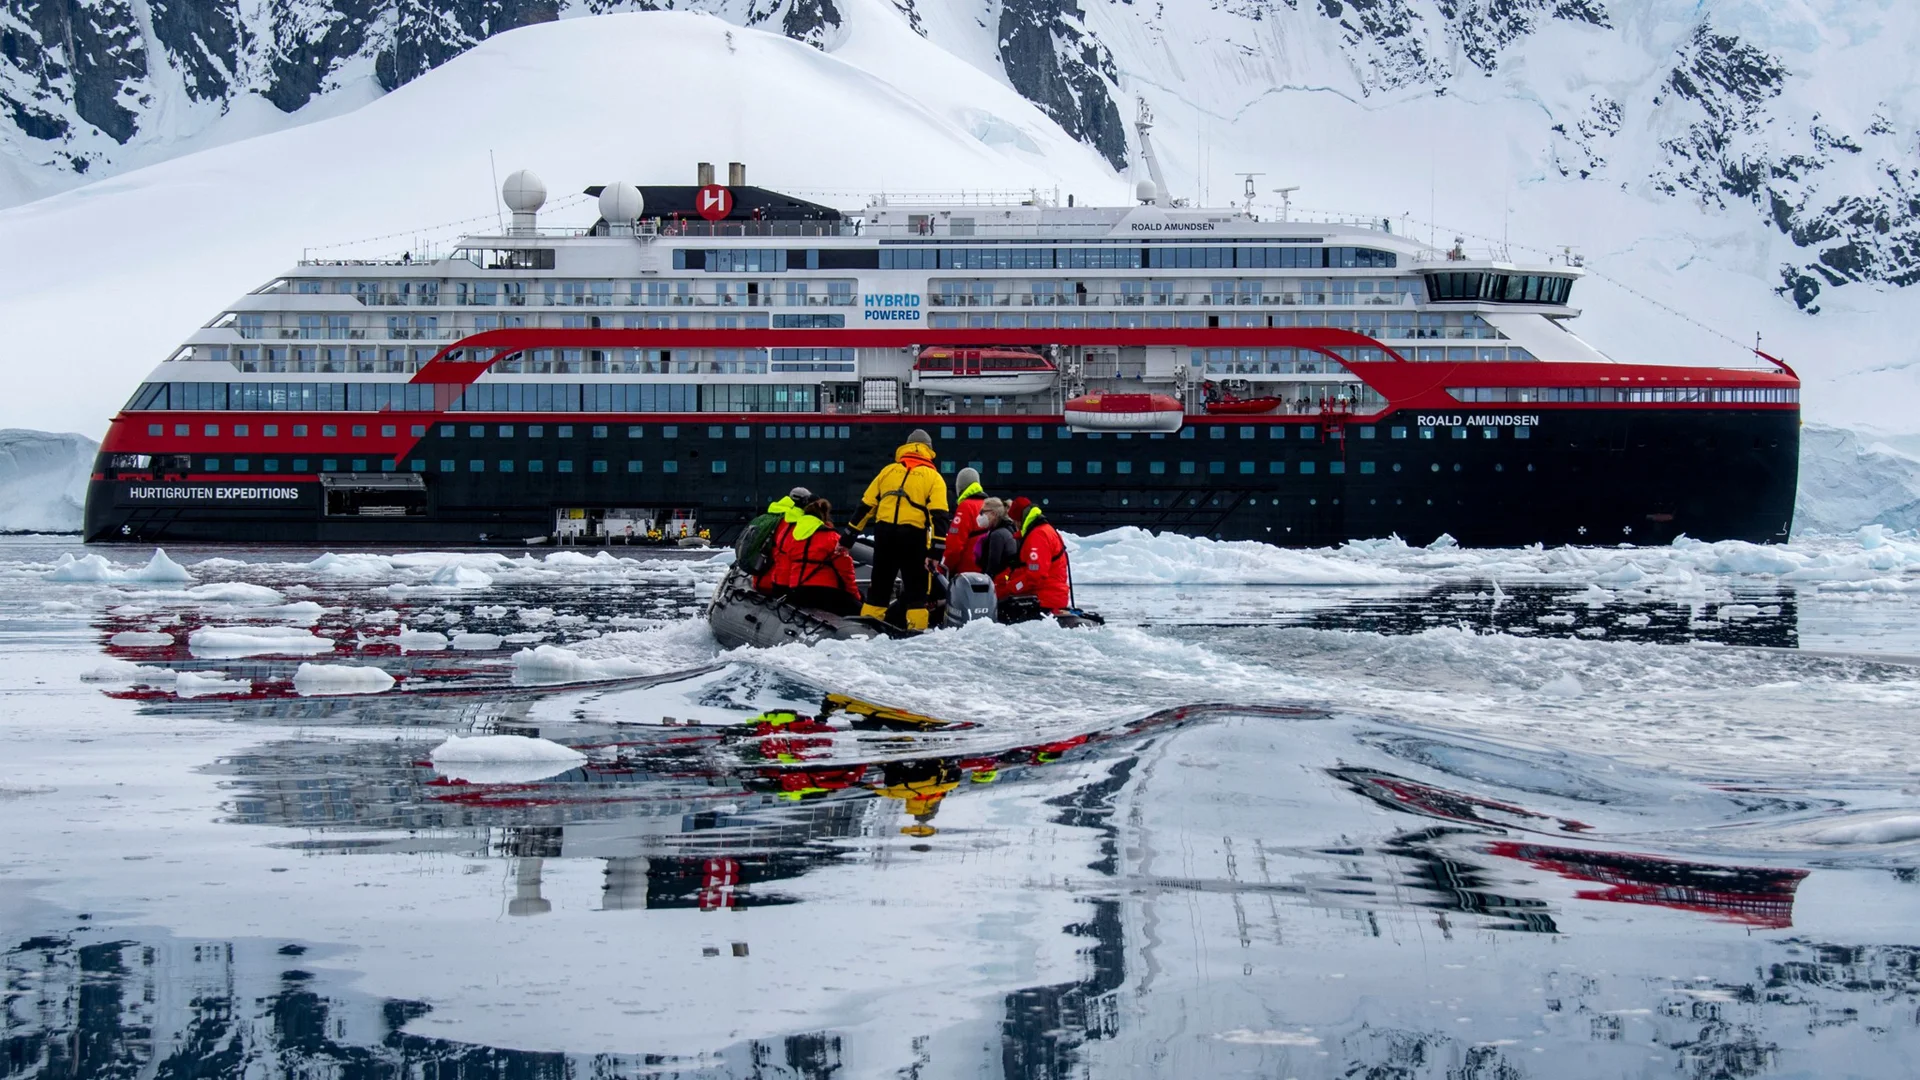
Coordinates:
636 466
1246 468
599 431
506 431
213 429
329 464
359 431
1366 468
949 432
1157 468
181 429
1398 432
1003 467
670 431
328 431
240 431
359 464
719 465
1276 467
155 429
1006 433
240 464
565 431
1308 432
1426 433
447 464
1035 432
1187 433
299 464
1214 467
506 466
1523 432
716 432
1093 468
1489 432
388 464
1277 431
670 466
1033 468
416 465
1459 433
1216 432
535 431
1246 432
566 465
635 431
1366 433
1336 467
388 431
536 465
1064 468
1124 468
976 432
1306 468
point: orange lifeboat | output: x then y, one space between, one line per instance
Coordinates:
1125 412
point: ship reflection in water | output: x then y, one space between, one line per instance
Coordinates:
752 877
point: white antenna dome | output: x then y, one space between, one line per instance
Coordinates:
620 203
524 192
1144 191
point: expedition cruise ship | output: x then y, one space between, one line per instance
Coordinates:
703 348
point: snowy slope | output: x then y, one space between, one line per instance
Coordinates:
640 96
43 480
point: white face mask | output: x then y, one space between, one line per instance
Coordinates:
983 521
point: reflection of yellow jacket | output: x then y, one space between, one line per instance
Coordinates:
921 796
908 492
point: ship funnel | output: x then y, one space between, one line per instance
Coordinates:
524 194
703 173
736 174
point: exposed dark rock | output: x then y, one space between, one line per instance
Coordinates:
1056 65
204 39
812 21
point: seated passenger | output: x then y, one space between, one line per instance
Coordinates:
759 542
1042 570
996 543
814 566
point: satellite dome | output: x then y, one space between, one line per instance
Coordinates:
621 202
523 192
1143 191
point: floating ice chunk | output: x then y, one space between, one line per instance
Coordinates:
503 759
1634 620
552 664
1739 611
420 640
461 576
476 642
236 592
97 568
1563 685
1594 596
1554 620
381 618
496 611
538 616
313 680
199 683
126 671
1890 830
1247 1037
1134 556
140 639
255 640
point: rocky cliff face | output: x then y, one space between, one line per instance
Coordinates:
1740 118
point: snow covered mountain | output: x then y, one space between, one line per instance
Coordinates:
1794 118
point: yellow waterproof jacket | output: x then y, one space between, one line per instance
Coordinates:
910 491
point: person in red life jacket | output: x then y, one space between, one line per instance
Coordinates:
968 496
1041 571
814 565
768 530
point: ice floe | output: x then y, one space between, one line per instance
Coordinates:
140 639
189 684
256 641
502 759
96 568
315 680
1886 830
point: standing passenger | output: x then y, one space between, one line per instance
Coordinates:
907 513
966 512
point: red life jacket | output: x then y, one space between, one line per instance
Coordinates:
814 559
1042 570
959 557
771 578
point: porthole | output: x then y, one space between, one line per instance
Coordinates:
1436 466
1456 466
1396 466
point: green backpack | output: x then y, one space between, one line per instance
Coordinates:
753 552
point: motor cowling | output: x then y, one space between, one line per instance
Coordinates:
970 598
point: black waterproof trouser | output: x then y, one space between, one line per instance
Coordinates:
822 598
899 551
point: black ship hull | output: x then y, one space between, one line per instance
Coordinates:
1487 477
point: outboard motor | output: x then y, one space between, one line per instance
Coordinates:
970 599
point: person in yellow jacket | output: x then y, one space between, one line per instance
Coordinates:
920 786
907 514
